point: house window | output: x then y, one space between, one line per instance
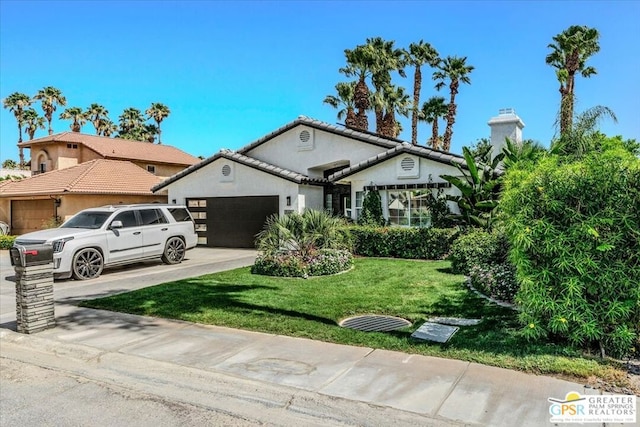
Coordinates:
409 208
359 199
72 146
151 169
328 202
347 207
42 168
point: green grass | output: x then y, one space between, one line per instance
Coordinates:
312 308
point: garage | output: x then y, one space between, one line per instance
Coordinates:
30 215
231 222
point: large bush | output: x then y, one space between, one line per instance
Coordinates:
574 227
320 263
402 242
6 241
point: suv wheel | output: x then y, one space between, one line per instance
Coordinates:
87 264
174 251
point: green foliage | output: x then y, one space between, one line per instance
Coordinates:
371 209
439 210
402 242
320 263
479 187
9 164
6 241
575 234
495 280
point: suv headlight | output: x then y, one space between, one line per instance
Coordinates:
58 245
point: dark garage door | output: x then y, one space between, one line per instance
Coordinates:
231 222
30 215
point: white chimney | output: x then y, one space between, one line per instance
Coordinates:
505 125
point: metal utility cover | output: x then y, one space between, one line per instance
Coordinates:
374 323
434 332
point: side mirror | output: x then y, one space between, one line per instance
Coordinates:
115 225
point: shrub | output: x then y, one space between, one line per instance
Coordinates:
495 280
575 234
320 263
371 209
402 242
6 241
478 247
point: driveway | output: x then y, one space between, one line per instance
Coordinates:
197 262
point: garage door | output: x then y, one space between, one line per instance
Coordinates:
30 215
231 222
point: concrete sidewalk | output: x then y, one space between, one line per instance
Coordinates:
419 390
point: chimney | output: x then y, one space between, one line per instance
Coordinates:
505 125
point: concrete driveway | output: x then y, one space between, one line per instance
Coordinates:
197 262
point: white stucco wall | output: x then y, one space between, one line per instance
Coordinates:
323 151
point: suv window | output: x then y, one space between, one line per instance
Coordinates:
92 220
152 216
180 214
128 219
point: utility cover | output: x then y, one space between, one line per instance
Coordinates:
434 332
374 323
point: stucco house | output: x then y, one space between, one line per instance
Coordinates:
73 171
311 164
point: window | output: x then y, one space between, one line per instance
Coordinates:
409 208
42 168
328 202
347 207
180 214
151 169
128 219
359 199
152 216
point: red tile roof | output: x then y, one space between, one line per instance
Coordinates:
120 149
99 176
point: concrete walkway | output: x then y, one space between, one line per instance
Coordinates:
280 380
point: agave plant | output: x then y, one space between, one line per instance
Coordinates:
479 188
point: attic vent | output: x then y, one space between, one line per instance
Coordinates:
407 164
305 136
227 173
305 140
226 170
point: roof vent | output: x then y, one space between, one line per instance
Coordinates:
305 136
305 139
407 164
227 173
408 167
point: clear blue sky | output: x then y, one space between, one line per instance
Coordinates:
233 71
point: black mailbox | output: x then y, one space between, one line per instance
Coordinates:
27 256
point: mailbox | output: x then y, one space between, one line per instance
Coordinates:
27 256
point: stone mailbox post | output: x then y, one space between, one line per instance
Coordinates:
34 287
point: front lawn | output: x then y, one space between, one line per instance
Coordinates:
312 308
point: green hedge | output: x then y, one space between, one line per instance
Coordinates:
402 242
6 241
321 263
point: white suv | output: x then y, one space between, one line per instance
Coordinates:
113 235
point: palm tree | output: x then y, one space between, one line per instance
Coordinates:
32 122
582 137
396 101
431 112
359 63
419 54
158 112
345 92
97 114
50 97
456 71
77 115
131 124
570 51
106 127
148 132
16 103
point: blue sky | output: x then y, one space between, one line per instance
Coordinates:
232 72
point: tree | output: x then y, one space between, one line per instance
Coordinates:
570 51
581 137
9 164
359 64
454 70
158 112
395 101
131 124
97 114
50 97
16 103
149 132
372 210
419 54
32 122
77 116
482 150
344 98
431 112
106 127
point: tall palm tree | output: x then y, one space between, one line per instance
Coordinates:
158 112
454 70
344 98
106 127
16 103
50 97
396 101
97 114
359 64
131 124
419 54
148 132
570 51
431 112
77 116
33 121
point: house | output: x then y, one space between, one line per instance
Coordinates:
311 164
73 171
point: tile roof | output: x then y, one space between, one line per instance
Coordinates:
247 161
99 176
404 148
120 149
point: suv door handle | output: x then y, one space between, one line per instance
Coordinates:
136 233
164 229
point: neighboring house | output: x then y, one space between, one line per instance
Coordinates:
73 171
68 149
311 164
